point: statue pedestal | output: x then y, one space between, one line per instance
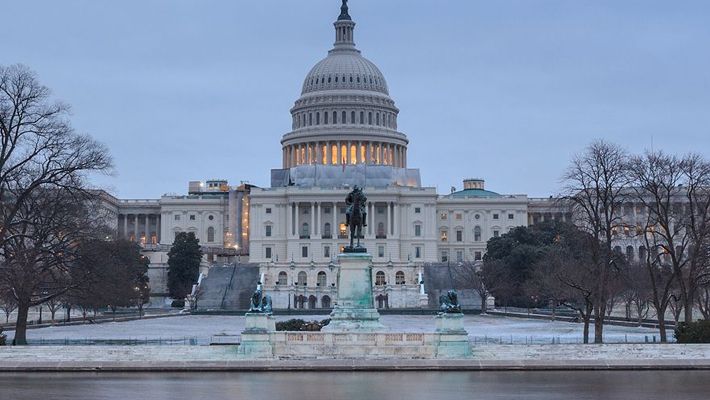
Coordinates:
256 337
453 338
355 309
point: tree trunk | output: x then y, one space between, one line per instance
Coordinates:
23 309
688 305
586 329
599 326
68 313
662 329
484 306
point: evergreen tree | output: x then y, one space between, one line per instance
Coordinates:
183 264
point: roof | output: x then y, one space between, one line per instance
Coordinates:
474 193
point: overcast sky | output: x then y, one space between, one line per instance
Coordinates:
504 90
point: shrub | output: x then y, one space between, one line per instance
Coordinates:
178 304
693 332
3 338
301 325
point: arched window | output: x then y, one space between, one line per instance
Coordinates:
362 117
325 302
369 118
630 253
210 234
326 231
302 278
352 117
353 154
642 253
399 278
380 278
283 278
318 118
335 117
312 300
310 118
334 154
378 119
342 117
325 117
477 234
305 231
322 279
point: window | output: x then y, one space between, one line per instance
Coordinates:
267 253
477 234
326 231
304 251
267 232
444 216
192 217
511 216
380 278
444 236
326 210
268 210
321 279
399 278
380 251
381 230
495 216
459 255
305 231
362 113
417 252
380 210
211 217
417 230
302 279
352 116
326 251
210 234
177 217
459 235
283 278
417 210
444 256
459 216
477 256
496 233
477 216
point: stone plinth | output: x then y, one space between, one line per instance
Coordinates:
256 337
453 338
355 309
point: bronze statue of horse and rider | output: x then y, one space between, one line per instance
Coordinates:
355 219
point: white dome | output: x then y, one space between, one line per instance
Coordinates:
345 70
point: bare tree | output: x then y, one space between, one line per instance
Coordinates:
596 185
43 166
468 275
8 304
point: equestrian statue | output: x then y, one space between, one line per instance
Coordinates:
355 218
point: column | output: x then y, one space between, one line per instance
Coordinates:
289 220
372 219
157 228
135 227
368 153
334 231
387 212
316 227
125 226
147 228
312 231
395 224
296 222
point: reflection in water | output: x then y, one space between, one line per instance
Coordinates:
626 385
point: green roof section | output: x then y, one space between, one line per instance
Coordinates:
474 193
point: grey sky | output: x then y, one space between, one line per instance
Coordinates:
505 90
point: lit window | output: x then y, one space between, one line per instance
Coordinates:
444 236
444 216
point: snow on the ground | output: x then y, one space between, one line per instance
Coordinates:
481 329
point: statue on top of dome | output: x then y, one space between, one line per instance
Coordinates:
344 12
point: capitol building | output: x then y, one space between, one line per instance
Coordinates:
344 132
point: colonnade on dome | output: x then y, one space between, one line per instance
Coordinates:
345 152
